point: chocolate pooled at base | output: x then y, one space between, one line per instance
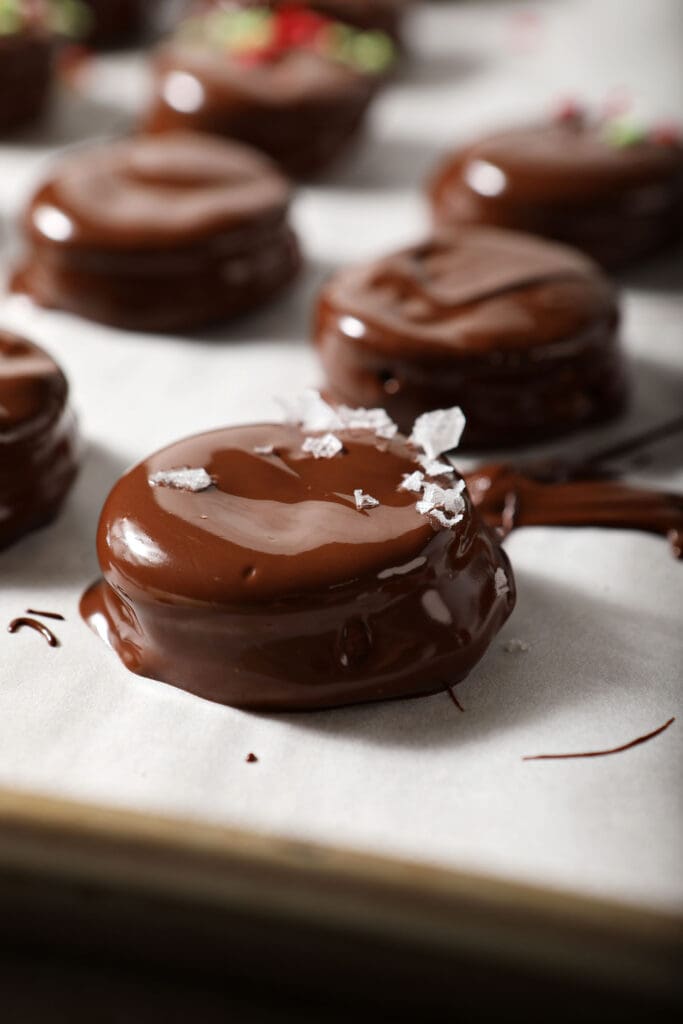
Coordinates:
38 439
159 234
521 333
276 584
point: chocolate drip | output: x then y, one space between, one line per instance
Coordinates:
602 753
497 488
45 615
39 627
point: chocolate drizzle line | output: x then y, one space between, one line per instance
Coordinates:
451 693
45 615
17 624
603 753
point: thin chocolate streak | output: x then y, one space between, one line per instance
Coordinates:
45 615
451 694
40 627
603 753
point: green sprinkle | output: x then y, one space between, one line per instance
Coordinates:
10 18
373 52
621 132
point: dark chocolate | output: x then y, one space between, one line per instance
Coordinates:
570 500
39 627
269 589
296 104
38 442
45 615
618 199
521 333
603 753
113 23
159 233
26 60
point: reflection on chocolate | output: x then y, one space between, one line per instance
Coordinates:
294 102
271 590
509 497
519 332
25 75
39 627
159 234
618 198
38 445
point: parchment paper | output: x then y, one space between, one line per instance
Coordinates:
601 610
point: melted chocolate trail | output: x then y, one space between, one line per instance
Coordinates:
451 694
602 753
509 497
45 615
17 624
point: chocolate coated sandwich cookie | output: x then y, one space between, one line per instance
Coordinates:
289 82
159 234
300 565
38 443
520 332
607 187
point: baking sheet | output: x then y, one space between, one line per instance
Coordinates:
600 610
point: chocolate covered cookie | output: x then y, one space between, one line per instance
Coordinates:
607 187
300 565
289 82
38 444
521 333
159 234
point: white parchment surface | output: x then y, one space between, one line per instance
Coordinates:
602 611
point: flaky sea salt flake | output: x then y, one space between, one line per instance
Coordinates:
263 449
364 500
376 420
438 431
434 467
515 646
412 482
500 581
310 410
325 447
183 479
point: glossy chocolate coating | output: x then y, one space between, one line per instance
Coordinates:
38 445
566 181
300 108
521 333
25 76
159 233
270 590
510 497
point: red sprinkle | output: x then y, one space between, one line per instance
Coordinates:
666 134
569 111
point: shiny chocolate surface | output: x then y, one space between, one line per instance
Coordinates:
521 333
270 589
159 233
571 181
38 444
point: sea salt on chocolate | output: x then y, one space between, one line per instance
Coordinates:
325 447
438 431
500 581
364 500
412 482
263 449
184 479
